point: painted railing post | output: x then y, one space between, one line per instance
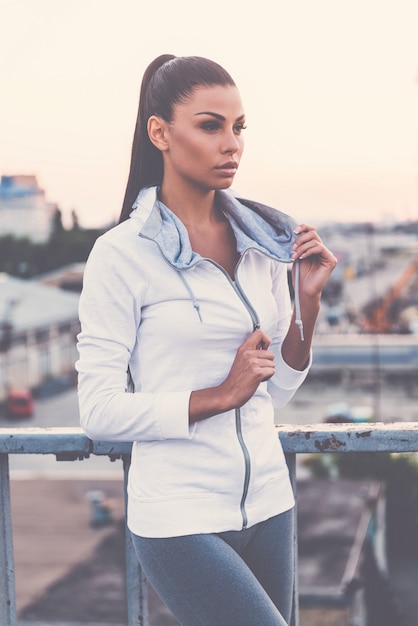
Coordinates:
294 621
136 589
7 570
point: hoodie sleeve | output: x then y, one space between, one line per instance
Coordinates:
286 380
110 313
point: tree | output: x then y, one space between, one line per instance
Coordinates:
57 226
25 258
74 218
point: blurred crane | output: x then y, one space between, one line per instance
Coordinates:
382 316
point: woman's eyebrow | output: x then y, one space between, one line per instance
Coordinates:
219 117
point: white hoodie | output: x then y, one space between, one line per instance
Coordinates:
175 320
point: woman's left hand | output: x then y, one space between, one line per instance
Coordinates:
316 261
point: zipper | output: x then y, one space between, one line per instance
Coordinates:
238 424
236 286
241 294
247 472
256 324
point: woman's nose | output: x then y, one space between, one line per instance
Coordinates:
231 143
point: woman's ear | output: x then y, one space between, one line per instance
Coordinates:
157 132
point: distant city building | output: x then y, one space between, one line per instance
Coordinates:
67 278
38 328
24 211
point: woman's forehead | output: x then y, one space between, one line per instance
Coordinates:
213 98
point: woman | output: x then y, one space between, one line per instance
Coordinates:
189 297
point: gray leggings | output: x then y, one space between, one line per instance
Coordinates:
234 578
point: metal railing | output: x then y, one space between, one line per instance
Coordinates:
71 443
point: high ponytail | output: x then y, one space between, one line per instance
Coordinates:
167 81
146 160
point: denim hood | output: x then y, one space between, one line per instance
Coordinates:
255 225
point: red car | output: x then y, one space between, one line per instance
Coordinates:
19 403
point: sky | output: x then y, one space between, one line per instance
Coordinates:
330 90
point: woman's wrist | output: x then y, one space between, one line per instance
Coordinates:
206 403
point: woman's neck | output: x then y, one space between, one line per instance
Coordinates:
209 231
192 207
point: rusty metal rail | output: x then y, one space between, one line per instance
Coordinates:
71 444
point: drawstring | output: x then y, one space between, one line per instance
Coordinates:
192 296
298 320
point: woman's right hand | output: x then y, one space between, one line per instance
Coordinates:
253 364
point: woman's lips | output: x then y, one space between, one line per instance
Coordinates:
227 169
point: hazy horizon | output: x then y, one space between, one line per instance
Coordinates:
329 88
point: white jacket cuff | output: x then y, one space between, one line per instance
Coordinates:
174 415
289 377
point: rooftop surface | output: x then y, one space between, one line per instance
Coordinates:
28 305
329 516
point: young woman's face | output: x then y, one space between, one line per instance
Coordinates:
205 140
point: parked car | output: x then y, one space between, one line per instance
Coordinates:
19 403
343 413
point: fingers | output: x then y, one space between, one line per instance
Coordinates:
255 357
258 340
310 245
307 243
253 364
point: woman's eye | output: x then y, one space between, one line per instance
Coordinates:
210 126
214 125
239 127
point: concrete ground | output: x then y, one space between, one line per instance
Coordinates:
53 532
67 571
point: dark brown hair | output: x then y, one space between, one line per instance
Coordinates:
167 81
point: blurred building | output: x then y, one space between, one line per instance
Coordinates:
38 328
24 211
68 278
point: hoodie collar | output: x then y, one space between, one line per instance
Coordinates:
255 225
